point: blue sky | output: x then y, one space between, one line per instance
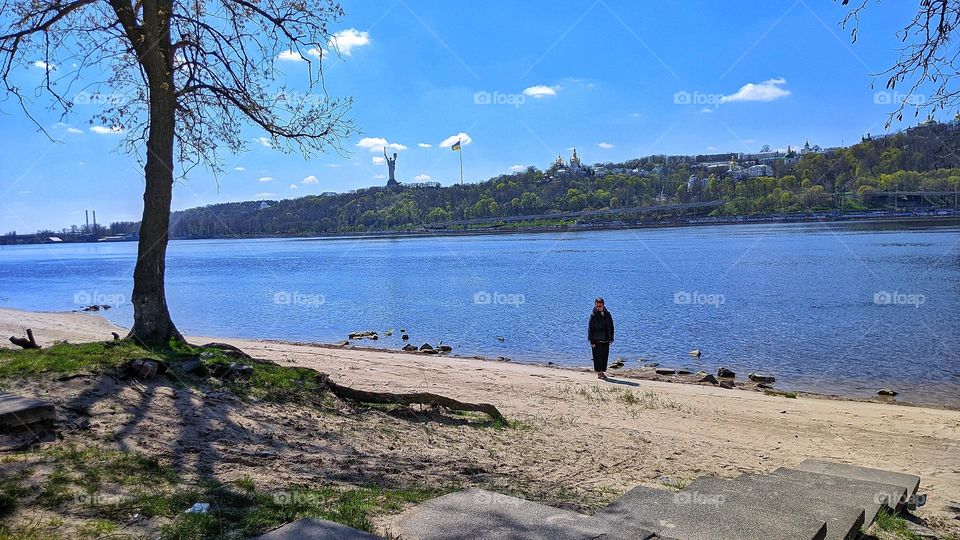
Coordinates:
524 81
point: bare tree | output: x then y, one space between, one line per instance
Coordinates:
928 58
186 76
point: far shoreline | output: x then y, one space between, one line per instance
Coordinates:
938 218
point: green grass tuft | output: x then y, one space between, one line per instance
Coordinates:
893 524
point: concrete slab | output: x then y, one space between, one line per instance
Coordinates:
909 482
701 516
785 497
870 495
316 529
476 513
18 411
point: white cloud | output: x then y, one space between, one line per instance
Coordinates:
293 186
518 168
424 145
346 40
377 144
421 177
264 141
333 165
768 90
310 180
266 179
317 52
379 176
540 91
289 56
103 130
706 110
378 160
241 169
40 64
711 148
264 195
74 131
605 145
462 137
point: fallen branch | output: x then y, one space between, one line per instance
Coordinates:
26 343
420 398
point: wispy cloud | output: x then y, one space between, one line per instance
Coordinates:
462 137
103 130
265 179
377 144
605 145
289 56
768 90
424 145
518 168
310 180
293 186
540 91
421 177
347 40
240 169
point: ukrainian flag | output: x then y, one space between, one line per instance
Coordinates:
456 146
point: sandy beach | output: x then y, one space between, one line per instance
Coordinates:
579 436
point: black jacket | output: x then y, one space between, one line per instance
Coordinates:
600 327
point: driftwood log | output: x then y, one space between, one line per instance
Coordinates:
420 398
27 343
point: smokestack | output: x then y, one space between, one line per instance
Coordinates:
86 215
94 219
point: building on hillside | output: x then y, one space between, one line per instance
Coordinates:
264 205
573 167
423 184
758 170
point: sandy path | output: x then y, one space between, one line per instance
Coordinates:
589 436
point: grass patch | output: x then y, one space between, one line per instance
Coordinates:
893 524
105 487
789 395
65 358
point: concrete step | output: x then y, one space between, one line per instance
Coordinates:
690 515
909 482
784 497
18 411
871 496
476 513
316 529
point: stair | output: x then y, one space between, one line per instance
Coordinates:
909 482
701 515
872 496
786 498
476 513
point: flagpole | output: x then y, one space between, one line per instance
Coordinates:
461 161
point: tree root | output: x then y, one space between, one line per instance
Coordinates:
27 343
421 398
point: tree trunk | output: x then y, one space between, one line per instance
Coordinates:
152 324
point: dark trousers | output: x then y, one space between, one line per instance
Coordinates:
601 353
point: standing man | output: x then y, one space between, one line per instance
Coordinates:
600 335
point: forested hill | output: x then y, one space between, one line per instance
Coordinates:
923 158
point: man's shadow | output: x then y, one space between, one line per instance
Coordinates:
611 380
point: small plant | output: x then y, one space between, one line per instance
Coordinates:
893 524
